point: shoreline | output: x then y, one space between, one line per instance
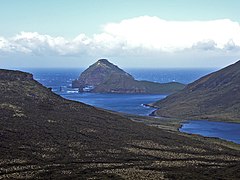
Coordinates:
153 113
181 123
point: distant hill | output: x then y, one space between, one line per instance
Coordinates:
105 77
43 136
214 96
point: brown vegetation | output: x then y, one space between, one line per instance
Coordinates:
215 96
43 136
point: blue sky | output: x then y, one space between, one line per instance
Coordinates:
60 33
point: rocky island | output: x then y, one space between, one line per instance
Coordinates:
214 96
105 77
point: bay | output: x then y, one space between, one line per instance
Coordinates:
125 103
60 82
223 130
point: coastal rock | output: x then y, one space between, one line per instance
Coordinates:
105 77
214 96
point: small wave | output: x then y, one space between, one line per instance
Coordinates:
72 91
145 105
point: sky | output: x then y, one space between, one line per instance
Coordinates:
130 33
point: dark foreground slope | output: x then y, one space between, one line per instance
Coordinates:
215 96
105 77
43 136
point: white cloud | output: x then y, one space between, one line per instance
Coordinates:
33 42
155 33
205 45
4 45
133 36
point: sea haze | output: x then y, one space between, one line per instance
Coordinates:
60 82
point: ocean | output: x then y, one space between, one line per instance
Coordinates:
60 82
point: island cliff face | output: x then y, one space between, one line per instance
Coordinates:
214 96
105 77
43 136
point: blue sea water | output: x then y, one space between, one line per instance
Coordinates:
222 130
60 82
126 103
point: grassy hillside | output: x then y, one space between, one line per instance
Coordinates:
215 96
43 136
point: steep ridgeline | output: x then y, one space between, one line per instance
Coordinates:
105 77
43 136
214 96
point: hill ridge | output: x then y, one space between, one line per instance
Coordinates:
214 96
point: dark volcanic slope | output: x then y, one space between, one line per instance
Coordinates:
215 96
106 77
43 136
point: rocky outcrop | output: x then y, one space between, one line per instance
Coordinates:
99 73
214 96
105 77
